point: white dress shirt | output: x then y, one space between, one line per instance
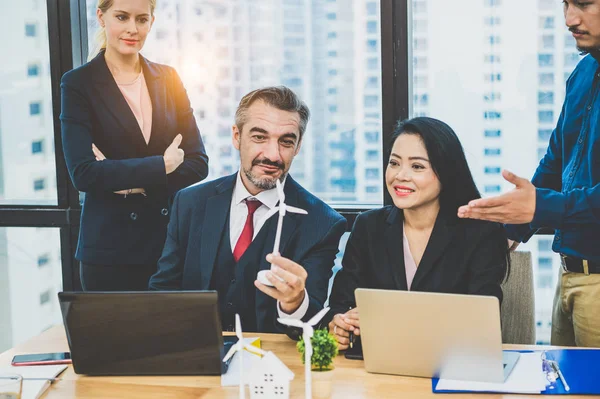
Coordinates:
237 219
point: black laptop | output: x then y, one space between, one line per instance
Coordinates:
144 333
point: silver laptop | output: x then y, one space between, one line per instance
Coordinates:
426 334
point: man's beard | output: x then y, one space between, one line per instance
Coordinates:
264 183
595 51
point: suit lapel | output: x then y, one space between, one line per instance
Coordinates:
394 248
157 90
441 236
108 92
215 216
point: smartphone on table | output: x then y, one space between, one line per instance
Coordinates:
38 359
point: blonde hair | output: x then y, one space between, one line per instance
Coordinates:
100 37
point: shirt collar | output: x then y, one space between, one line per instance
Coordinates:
268 198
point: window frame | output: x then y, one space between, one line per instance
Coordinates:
67 41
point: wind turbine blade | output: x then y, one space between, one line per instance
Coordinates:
271 212
291 322
238 327
280 192
316 318
254 350
293 209
232 350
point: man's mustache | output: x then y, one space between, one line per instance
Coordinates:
575 30
267 162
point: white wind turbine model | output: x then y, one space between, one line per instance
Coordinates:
239 346
282 208
307 333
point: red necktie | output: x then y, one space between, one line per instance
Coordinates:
248 232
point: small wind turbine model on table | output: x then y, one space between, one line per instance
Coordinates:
282 208
239 346
307 333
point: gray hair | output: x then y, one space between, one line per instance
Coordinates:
279 97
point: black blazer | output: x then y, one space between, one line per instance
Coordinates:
463 256
114 229
200 216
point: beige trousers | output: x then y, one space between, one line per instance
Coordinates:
576 313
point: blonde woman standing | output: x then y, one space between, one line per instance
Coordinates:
130 142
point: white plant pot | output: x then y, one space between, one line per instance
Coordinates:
322 384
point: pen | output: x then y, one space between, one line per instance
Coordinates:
351 335
560 375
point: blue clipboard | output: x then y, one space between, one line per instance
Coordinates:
580 367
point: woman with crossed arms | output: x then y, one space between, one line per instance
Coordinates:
130 142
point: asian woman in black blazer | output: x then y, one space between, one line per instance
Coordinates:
419 243
130 142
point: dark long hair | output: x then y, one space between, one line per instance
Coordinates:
447 159
449 163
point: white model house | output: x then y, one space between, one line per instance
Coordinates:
270 379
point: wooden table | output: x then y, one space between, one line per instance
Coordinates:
350 379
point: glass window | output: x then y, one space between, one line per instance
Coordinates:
372 27
37 147
493 133
492 189
26 117
545 244
372 8
492 151
545 97
547 22
492 170
30 278
372 173
373 155
546 116
545 60
544 135
44 297
545 263
43 260
308 37
545 281
547 42
33 70
492 115
39 184
372 137
30 30
35 108
546 79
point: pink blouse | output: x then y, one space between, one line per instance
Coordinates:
409 262
137 96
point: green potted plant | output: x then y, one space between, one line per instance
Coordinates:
325 349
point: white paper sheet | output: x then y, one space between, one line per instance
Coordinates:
33 389
526 377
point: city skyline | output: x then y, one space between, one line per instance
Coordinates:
499 88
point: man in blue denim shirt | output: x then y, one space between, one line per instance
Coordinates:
565 191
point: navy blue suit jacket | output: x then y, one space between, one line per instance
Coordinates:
115 229
199 217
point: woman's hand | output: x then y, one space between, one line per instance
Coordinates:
100 157
174 155
342 325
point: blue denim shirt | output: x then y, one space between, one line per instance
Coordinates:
567 179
